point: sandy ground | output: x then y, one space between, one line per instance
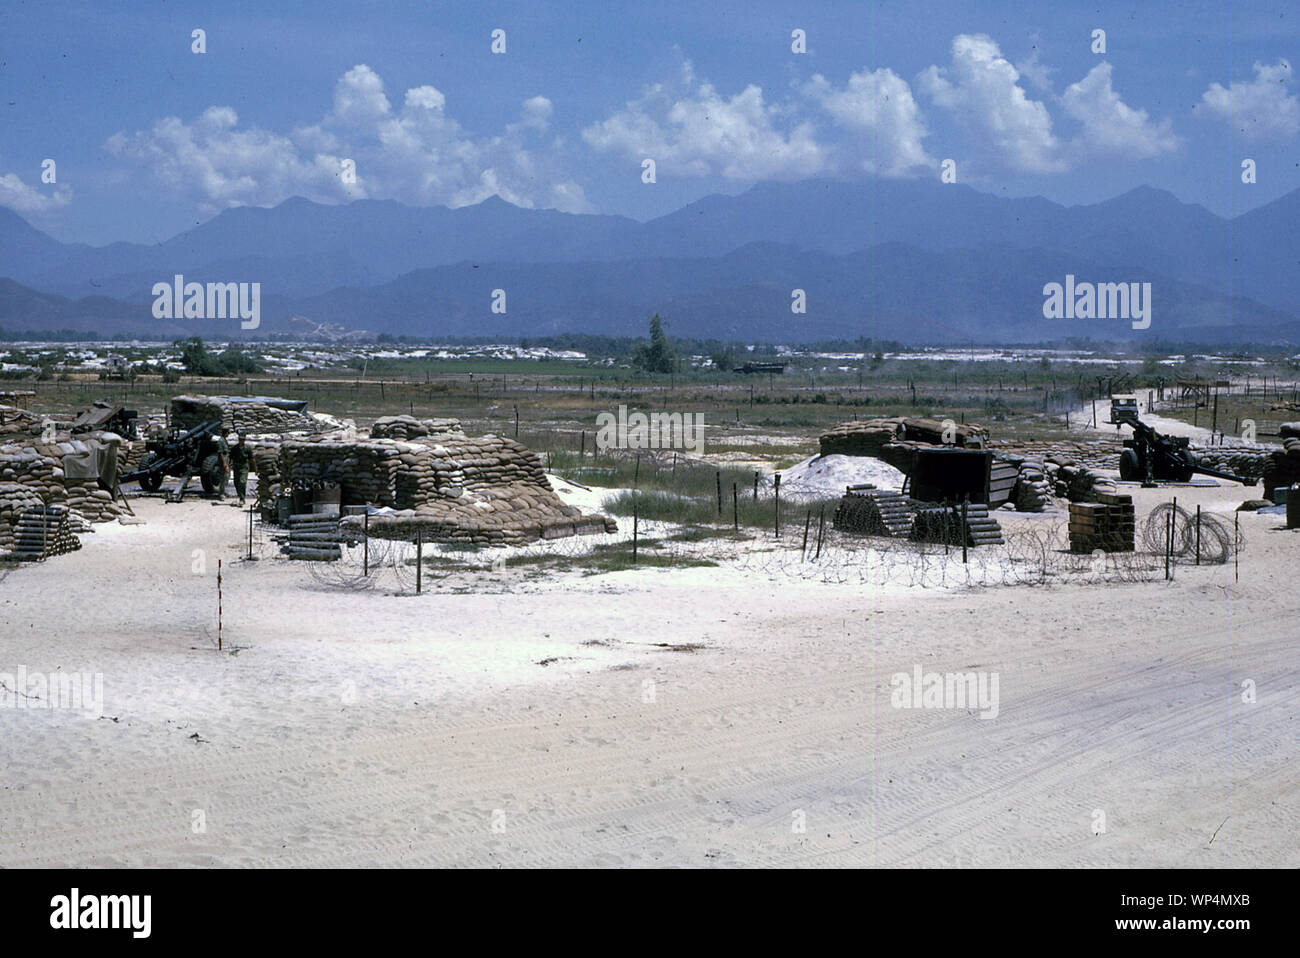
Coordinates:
363 728
1081 421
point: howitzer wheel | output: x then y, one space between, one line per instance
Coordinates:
212 475
153 480
1129 468
1272 478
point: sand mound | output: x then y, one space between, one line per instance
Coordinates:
826 476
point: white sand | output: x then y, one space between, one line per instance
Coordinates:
820 477
359 728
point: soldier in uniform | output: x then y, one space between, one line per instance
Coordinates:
223 454
240 458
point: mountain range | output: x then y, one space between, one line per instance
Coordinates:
907 260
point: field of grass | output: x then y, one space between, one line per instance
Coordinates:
779 403
549 404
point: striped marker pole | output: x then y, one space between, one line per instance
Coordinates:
218 605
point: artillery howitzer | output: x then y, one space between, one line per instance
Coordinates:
1150 456
107 416
173 456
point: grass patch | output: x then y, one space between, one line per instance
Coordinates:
623 562
702 513
707 534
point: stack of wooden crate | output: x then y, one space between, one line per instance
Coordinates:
1107 524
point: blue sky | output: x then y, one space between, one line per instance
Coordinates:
150 138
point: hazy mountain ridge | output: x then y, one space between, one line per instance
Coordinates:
902 259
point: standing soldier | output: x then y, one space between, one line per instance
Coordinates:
223 454
240 456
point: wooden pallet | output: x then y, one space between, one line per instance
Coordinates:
1003 475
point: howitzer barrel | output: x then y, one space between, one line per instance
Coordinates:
199 431
1219 474
159 467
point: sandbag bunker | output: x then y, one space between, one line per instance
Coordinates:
247 414
443 487
71 478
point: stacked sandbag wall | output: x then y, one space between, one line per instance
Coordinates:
247 417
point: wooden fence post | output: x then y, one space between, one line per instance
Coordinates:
777 504
965 500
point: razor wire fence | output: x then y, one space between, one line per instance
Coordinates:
1032 553
1031 556
1202 538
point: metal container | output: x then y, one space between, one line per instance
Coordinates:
1293 508
326 501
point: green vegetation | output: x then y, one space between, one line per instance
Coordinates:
657 355
199 362
702 511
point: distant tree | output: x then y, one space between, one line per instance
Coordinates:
196 358
199 362
237 362
656 356
722 360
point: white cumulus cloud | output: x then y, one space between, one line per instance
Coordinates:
983 90
1258 109
878 109
28 200
1109 125
417 153
690 129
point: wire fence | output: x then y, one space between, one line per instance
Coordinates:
1032 554
1200 537
1029 556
